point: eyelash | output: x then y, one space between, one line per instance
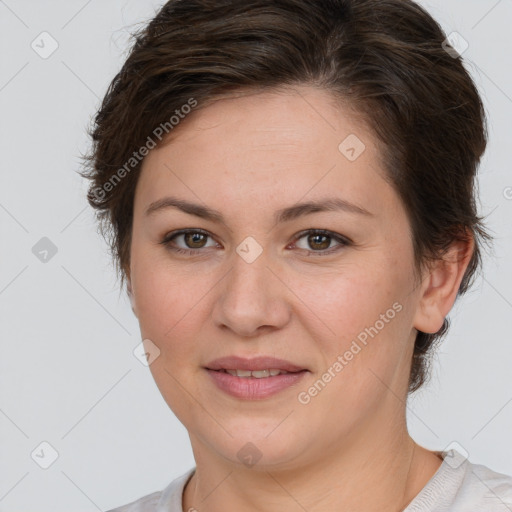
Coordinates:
344 242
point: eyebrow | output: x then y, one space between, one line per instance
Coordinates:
284 215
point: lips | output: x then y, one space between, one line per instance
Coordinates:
253 364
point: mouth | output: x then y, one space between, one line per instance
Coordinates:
254 379
254 365
256 374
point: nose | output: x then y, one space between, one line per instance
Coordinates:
252 298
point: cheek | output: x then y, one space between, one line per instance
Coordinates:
347 300
173 306
162 297
364 316
368 348
169 314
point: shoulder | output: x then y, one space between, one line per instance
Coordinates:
482 486
168 499
462 486
147 503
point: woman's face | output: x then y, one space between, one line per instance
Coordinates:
256 282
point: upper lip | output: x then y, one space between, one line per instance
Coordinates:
255 363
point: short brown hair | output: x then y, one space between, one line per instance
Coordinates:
385 58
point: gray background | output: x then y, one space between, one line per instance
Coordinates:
68 373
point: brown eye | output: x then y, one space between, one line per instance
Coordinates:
321 242
194 240
318 242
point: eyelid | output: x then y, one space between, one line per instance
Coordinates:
175 234
318 231
342 241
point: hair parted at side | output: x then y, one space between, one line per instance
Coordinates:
384 58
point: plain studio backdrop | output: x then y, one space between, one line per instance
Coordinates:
73 396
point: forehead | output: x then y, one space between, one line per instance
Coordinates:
267 149
304 117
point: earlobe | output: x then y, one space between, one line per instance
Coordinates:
440 287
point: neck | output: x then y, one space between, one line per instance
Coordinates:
382 476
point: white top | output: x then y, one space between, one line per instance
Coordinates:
457 486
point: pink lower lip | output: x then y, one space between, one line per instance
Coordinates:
251 388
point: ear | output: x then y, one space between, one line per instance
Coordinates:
440 286
129 289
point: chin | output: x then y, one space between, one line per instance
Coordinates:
256 444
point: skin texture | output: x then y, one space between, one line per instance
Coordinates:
247 157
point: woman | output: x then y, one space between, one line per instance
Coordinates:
288 186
